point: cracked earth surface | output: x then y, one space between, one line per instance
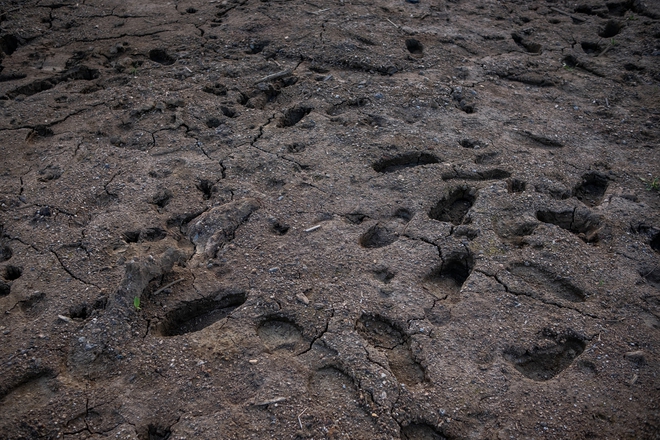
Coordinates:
329 220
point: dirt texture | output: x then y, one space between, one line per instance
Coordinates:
422 219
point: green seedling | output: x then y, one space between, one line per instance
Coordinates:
652 184
136 303
132 71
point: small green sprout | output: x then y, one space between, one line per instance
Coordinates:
652 184
136 303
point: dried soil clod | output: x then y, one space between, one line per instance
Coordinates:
217 226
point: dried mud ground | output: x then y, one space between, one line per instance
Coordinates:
332 219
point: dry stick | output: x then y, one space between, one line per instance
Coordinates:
271 401
318 12
299 422
274 76
605 50
11 10
568 15
393 24
167 286
652 270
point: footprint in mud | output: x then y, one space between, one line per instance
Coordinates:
515 185
396 345
420 431
146 234
471 143
199 314
282 334
338 109
356 218
162 197
338 409
161 56
206 187
11 273
415 47
217 89
545 281
591 47
539 140
447 280
377 236
32 390
5 252
611 29
33 304
526 44
383 274
581 222
84 310
403 161
655 242
513 227
542 364
592 189
5 289
278 227
403 214
157 432
652 277
294 115
454 206
296 147
491 158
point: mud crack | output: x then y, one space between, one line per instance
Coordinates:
71 274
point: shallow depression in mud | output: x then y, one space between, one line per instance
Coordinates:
541 364
197 315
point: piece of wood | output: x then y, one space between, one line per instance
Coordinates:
567 14
167 286
277 75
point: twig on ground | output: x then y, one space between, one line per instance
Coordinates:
567 14
270 402
604 51
650 272
393 23
313 228
168 286
303 412
318 12
7 12
277 75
